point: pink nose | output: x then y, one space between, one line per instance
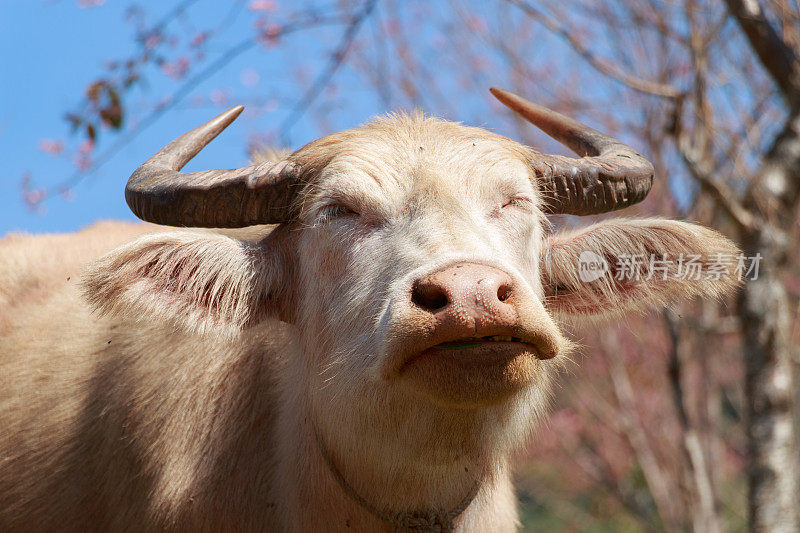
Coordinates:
466 289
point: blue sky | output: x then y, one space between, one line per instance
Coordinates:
49 53
51 50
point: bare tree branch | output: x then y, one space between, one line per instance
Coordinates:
335 61
182 92
776 56
776 187
176 11
697 150
606 67
706 517
655 475
702 170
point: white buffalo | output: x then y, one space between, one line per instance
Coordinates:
369 363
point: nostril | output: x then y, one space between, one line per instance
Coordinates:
429 296
504 292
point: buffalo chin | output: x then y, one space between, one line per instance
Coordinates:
476 376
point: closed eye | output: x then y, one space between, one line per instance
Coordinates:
522 202
334 211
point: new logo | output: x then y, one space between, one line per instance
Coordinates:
591 266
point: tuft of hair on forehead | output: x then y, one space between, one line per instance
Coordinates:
262 153
404 132
437 134
391 148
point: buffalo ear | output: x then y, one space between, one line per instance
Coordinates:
199 281
617 266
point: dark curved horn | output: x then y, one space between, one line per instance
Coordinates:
258 194
608 176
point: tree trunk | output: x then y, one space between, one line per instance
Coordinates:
764 309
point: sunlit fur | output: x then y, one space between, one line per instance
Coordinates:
192 386
199 284
621 291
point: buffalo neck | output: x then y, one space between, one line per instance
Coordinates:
392 486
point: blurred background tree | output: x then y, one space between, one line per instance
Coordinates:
681 420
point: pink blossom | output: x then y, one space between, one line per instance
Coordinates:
249 78
270 31
51 146
67 194
218 97
391 27
176 69
83 159
83 162
263 5
152 40
480 63
476 24
271 105
32 197
199 38
86 147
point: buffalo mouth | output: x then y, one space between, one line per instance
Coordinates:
474 342
472 352
472 371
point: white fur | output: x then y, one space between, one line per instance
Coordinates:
185 391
